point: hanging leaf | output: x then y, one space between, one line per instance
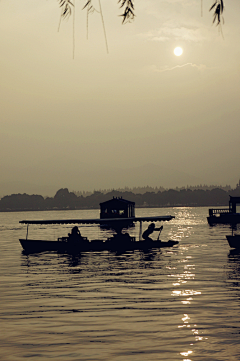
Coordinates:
218 8
221 6
213 6
128 14
88 2
66 7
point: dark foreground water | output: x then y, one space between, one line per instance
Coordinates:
170 304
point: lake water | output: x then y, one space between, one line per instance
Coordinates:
180 303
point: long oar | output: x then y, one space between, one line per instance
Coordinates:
159 232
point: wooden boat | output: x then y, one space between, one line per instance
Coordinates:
36 246
234 240
228 215
119 242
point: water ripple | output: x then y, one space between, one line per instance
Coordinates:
170 304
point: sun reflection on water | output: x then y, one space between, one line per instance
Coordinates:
187 353
185 293
195 333
186 290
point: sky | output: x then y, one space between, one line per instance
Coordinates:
135 116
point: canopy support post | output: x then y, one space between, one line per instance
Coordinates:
140 231
27 232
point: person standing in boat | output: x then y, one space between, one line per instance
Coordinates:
151 228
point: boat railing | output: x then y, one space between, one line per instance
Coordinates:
66 239
215 211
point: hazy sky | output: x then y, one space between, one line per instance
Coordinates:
74 123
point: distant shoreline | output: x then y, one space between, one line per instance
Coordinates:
85 209
65 200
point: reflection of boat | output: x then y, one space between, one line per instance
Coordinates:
234 240
119 242
229 215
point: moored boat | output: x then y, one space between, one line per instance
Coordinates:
234 240
230 215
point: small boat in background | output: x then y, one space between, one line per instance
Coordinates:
234 241
230 215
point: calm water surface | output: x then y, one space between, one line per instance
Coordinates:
180 303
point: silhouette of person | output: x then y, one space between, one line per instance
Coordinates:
121 237
75 235
151 228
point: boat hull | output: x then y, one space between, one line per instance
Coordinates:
234 241
37 246
224 219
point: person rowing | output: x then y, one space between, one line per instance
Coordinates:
151 228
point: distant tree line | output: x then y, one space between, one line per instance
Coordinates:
142 190
64 199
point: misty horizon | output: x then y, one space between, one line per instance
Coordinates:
47 191
88 180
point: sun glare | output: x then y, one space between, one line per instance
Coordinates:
178 51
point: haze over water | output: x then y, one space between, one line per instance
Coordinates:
134 117
180 303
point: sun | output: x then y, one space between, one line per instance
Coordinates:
178 51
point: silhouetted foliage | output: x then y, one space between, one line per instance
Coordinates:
64 199
128 9
20 202
142 190
217 9
66 7
128 13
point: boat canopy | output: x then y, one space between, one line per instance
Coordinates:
234 204
99 221
117 208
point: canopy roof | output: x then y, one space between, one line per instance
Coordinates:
234 199
116 200
99 221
